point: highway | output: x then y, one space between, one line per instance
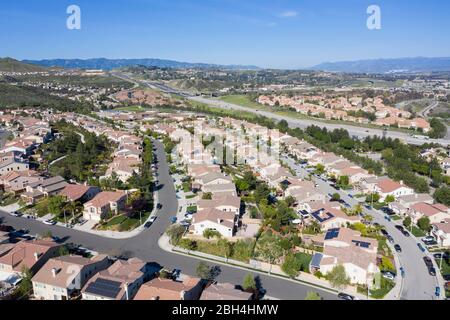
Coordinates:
145 245
356 131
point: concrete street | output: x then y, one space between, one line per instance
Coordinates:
145 245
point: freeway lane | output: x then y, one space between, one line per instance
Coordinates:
417 284
145 245
359 132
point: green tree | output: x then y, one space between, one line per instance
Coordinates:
338 277
442 195
56 205
175 232
424 224
25 286
389 199
336 197
407 222
249 283
313 296
205 272
291 266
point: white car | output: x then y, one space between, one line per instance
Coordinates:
50 222
389 276
152 219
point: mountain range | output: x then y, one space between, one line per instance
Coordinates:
12 65
109 64
409 65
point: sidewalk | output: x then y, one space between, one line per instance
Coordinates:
304 278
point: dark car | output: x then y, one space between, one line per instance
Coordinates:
398 248
384 232
159 206
421 247
432 271
406 233
390 239
428 261
446 277
344 296
399 228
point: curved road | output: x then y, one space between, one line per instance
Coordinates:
145 245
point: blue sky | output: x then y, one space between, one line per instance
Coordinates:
276 33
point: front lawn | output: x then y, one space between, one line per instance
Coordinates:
385 286
418 232
123 223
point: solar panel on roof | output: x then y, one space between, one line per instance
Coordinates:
104 288
331 234
361 244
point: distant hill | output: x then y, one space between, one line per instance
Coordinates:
11 65
410 65
109 64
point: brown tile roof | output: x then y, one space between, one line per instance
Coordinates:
165 289
27 253
104 198
74 192
224 291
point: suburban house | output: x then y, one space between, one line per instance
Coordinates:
11 163
103 203
120 281
44 188
27 254
62 278
16 182
224 291
168 289
385 187
214 219
403 203
435 212
79 192
329 217
220 189
348 248
441 232
213 178
226 203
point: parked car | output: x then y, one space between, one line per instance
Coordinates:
16 214
398 248
402 272
50 222
173 220
428 261
388 275
390 239
406 233
437 292
384 232
399 228
421 247
432 271
428 239
159 206
388 218
446 277
184 223
344 296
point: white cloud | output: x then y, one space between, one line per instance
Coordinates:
289 14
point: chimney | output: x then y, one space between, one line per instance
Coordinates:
401 182
54 271
36 256
219 221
